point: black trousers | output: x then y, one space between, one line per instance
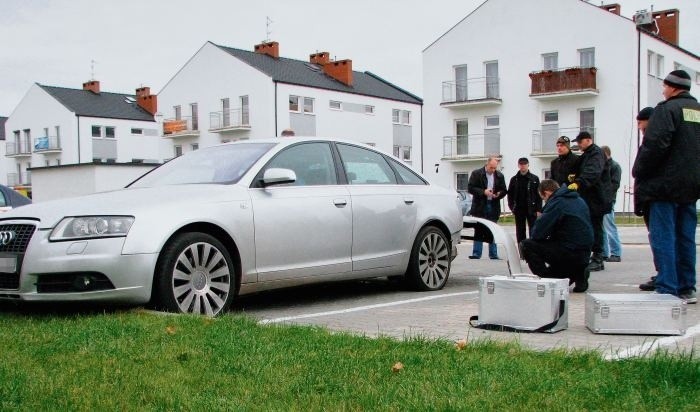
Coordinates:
520 220
598 237
549 259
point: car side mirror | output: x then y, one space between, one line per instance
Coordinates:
277 176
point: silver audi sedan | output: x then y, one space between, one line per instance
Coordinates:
192 234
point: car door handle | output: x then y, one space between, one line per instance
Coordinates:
340 202
408 200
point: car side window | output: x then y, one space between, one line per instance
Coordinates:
365 167
311 162
3 201
408 176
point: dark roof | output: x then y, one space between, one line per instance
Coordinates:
2 127
302 73
107 105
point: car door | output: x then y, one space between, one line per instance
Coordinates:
303 228
384 211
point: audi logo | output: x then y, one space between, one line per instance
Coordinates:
7 236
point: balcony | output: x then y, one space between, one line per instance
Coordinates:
47 144
544 141
480 91
570 82
229 121
14 179
471 147
21 148
178 128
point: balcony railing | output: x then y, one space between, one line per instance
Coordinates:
544 141
229 120
47 144
475 146
19 148
14 179
476 91
564 82
183 127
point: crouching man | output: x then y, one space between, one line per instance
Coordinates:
561 240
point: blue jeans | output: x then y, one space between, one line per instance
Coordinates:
478 246
611 240
672 237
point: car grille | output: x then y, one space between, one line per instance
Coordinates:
17 247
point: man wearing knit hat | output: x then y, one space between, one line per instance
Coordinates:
667 174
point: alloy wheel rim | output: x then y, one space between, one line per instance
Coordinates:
433 260
201 279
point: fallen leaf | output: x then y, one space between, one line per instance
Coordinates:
398 367
170 330
460 344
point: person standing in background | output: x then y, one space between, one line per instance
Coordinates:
523 199
612 250
487 186
564 164
642 122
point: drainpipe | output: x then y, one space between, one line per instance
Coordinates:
421 138
276 109
78 117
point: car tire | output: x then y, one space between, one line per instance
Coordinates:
429 265
195 274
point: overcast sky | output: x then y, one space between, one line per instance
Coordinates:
144 42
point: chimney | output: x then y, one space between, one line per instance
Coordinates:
320 58
612 8
146 100
93 86
340 70
272 49
667 23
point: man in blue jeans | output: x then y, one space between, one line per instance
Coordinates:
667 174
612 249
487 186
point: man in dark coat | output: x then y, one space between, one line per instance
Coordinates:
523 199
560 242
487 186
564 164
667 174
592 181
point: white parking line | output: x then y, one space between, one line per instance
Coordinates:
649 346
368 307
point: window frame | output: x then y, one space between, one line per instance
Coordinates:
97 128
584 52
311 104
292 99
331 105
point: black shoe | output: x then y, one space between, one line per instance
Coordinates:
596 266
649 286
474 257
493 257
614 258
582 283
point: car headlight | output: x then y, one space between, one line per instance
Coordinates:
88 227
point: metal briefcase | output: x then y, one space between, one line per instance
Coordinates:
524 302
635 314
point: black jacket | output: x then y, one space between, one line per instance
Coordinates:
476 186
534 201
593 179
562 167
667 167
565 218
615 178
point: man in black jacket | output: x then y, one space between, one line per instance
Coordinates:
592 181
564 164
523 199
667 174
560 242
487 186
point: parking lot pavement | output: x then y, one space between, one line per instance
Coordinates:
379 307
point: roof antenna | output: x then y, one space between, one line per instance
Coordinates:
267 28
92 69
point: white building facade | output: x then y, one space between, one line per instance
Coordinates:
224 94
512 77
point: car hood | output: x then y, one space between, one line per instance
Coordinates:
130 201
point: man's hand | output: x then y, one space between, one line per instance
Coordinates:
571 178
573 186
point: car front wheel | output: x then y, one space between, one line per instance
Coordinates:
429 266
195 275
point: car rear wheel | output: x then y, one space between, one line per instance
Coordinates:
429 266
195 275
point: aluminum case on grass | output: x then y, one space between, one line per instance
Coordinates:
635 314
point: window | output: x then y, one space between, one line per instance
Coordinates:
551 117
178 112
136 131
659 66
178 150
408 176
225 111
245 110
587 57
401 116
96 131
587 120
109 131
403 153
405 117
195 116
293 103
462 180
58 162
46 132
16 134
311 162
194 146
58 133
492 121
550 61
308 105
395 115
655 64
369 109
334 105
365 167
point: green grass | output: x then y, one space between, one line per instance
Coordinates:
136 360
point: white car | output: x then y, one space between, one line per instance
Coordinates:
235 218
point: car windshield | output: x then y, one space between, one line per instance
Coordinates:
218 164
